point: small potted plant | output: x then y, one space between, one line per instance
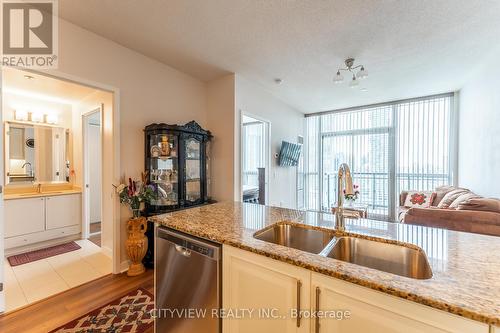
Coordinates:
134 195
351 198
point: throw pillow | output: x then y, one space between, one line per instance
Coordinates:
441 192
462 198
450 197
419 199
481 204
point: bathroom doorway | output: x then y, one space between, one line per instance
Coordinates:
254 159
92 159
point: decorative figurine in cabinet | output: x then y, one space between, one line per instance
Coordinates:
177 164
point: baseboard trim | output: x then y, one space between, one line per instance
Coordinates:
124 266
107 251
41 245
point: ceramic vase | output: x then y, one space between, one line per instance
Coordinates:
136 245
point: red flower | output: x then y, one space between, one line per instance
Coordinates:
418 198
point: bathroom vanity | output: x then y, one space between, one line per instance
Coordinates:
42 207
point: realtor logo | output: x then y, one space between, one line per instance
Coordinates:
29 33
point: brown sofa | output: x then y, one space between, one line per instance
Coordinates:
477 215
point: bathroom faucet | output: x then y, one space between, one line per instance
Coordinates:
31 168
344 186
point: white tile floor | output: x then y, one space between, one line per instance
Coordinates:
40 279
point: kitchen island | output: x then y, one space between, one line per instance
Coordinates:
465 267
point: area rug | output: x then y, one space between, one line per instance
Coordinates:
129 313
31 256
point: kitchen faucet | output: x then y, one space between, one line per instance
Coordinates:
31 168
344 186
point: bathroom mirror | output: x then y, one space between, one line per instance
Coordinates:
35 153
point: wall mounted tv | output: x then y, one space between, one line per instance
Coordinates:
289 154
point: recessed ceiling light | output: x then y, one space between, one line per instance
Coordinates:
364 89
29 77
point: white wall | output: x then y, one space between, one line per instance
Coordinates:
221 122
479 132
286 124
149 92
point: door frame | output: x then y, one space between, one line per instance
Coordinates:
267 154
111 162
86 169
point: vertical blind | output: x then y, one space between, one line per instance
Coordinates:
389 147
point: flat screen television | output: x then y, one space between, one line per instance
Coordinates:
289 153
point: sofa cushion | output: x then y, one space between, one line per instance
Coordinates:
450 197
441 192
420 199
463 198
481 204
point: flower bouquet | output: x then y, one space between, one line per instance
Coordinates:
134 194
352 197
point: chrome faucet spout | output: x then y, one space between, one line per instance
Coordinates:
344 186
31 168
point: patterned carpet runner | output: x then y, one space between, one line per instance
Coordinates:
129 313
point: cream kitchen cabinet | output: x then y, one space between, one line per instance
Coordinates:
348 307
34 220
272 290
252 281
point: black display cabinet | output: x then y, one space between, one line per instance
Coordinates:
177 163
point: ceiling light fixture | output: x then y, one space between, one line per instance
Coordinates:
358 73
29 77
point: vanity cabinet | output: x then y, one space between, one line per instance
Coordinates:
24 216
63 211
271 291
33 220
252 281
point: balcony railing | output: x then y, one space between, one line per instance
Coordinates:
375 189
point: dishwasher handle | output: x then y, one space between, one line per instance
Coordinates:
188 245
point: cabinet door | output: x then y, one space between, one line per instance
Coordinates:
372 311
24 216
63 211
272 290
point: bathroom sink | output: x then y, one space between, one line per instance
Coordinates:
392 258
296 236
387 257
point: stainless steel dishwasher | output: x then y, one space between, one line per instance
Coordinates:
187 283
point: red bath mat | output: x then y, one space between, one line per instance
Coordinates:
129 313
27 257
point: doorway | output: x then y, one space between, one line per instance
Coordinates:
92 159
255 159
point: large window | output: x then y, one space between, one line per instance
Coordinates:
389 147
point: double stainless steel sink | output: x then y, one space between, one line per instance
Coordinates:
407 261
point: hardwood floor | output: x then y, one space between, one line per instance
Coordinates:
57 310
96 239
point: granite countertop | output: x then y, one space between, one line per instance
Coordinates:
466 267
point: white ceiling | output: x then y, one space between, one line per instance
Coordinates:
410 48
43 87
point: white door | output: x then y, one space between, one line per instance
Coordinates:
94 181
92 156
274 291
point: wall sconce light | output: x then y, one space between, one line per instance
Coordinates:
21 115
52 119
37 117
